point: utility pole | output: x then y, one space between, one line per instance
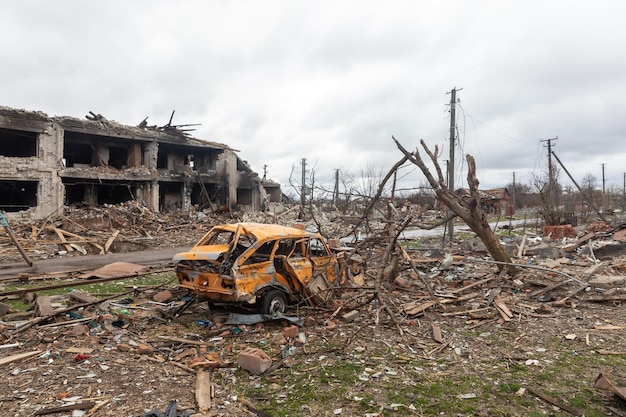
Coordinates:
514 192
336 189
550 198
604 200
550 166
265 172
303 188
451 163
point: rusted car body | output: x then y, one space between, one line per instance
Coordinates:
252 263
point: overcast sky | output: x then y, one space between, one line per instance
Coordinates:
332 81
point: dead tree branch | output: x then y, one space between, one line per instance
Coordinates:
467 208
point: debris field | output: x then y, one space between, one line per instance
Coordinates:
440 332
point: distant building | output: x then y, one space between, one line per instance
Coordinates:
48 162
495 202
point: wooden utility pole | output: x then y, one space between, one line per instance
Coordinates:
550 166
303 188
336 189
604 200
514 192
451 162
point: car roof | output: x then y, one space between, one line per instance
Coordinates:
264 231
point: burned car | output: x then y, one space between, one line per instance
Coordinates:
267 265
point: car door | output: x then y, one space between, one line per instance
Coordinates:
321 258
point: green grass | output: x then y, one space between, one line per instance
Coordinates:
98 290
433 387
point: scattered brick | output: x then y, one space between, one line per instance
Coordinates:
254 361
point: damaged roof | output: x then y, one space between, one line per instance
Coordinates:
97 124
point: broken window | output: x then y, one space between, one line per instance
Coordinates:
103 192
77 154
242 166
244 196
170 196
262 254
161 159
199 197
18 143
96 150
317 248
18 195
118 157
189 161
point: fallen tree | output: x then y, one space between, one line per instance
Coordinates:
467 208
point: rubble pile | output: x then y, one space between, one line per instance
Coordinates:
435 319
130 226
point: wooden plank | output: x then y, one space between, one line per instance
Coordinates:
499 302
413 309
62 238
77 349
18 356
203 391
472 285
555 402
54 410
187 341
436 333
465 312
109 242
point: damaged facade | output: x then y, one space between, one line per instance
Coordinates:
48 162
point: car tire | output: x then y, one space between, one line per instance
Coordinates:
274 302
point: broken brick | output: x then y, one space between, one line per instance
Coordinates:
144 349
254 361
279 339
291 331
162 296
123 347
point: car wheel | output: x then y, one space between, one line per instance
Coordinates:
274 302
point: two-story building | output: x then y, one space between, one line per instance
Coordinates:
48 162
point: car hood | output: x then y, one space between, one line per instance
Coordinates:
208 253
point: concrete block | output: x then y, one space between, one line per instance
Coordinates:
254 361
43 306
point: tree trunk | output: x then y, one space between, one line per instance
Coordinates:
466 207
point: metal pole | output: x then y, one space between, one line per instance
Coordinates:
590 201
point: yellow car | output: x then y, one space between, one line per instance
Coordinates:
263 264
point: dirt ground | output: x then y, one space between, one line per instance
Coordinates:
482 344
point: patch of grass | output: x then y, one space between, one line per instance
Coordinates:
98 290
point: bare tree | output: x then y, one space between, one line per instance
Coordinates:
467 208
549 192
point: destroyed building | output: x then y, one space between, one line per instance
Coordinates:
49 162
